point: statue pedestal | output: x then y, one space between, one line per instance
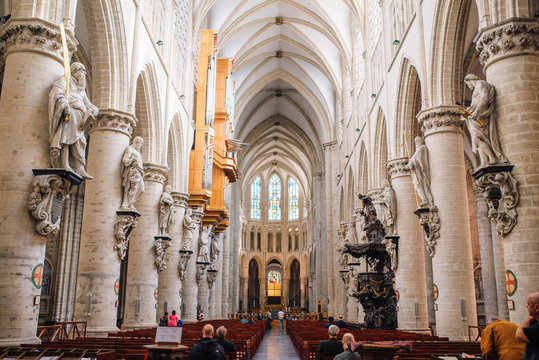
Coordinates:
73 177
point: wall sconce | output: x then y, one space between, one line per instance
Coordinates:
88 304
373 95
159 42
137 307
396 42
182 96
416 310
358 130
347 156
463 309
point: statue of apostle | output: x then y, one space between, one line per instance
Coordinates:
189 226
485 142
132 174
166 211
204 245
214 248
68 117
419 165
388 208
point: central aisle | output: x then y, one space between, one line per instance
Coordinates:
276 345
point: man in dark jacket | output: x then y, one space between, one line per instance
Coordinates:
341 323
332 346
207 348
227 345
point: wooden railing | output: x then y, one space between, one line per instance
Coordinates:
472 329
61 331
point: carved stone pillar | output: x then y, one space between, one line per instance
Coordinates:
487 257
189 285
170 283
452 261
99 264
410 274
32 63
142 277
509 53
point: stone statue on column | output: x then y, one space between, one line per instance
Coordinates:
204 245
189 226
419 166
166 211
132 174
214 249
69 114
388 208
481 122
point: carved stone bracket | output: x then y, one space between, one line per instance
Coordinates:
156 173
507 38
180 199
113 120
500 189
211 275
51 187
430 221
126 221
161 244
185 255
200 272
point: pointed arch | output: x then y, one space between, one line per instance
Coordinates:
363 167
293 199
255 198
175 150
274 197
380 151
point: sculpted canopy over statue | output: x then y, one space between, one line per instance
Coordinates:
204 245
388 208
485 142
419 165
166 211
68 118
133 174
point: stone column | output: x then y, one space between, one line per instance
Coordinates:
225 299
452 261
509 54
170 283
32 63
189 286
352 310
203 291
245 288
142 277
410 274
499 269
262 287
99 264
284 293
488 270
303 285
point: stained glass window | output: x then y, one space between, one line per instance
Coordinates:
293 199
256 187
274 198
274 283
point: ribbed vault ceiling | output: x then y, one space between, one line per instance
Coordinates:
290 57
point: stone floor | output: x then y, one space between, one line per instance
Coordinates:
276 345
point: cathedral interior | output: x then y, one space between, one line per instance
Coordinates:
212 156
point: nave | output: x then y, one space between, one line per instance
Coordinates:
276 345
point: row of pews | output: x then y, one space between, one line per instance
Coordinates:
129 345
306 336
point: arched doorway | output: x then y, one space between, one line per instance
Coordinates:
274 283
294 289
253 291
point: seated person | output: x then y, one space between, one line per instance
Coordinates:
251 320
330 322
332 346
498 341
227 345
341 323
243 320
347 354
207 348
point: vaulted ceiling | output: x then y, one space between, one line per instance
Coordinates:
290 56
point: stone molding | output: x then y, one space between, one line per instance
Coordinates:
114 120
35 35
155 173
48 191
211 276
512 37
180 199
441 119
331 145
397 168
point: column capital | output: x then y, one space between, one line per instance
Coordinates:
156 173
35 35
114 120
198 214
180 199
397 168
441 119
331 145
511 37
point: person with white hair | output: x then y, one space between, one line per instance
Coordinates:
347 354
498 341
227 345
332 346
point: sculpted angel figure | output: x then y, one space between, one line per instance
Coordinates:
485 142
204 245
133 174
68 118
419 165
166 211
189 226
